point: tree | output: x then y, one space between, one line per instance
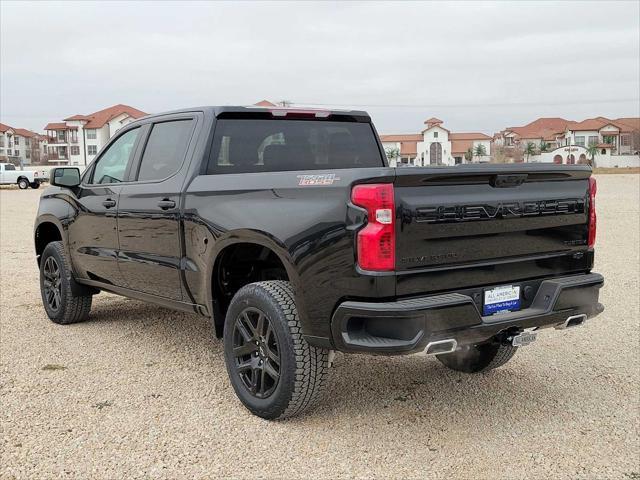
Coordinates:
529 150
393 153
499 155
480 151
592 150
544 147
468 155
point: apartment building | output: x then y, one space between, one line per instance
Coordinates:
78 139
21 146
436 145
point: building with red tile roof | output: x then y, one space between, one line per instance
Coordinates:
20 146
435 145
264 103
78 139
622 134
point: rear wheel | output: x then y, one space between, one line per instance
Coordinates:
478 358
23 184
273 370
55 286
34 185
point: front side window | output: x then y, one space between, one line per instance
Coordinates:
260 145
112 165
91 134
165 150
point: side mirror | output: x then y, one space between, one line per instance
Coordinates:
65 177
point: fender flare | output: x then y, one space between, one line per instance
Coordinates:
257 237
50 218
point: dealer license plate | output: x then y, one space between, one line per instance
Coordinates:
501 299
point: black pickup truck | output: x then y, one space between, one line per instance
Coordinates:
289 229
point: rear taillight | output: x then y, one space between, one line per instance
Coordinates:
376 242
593 188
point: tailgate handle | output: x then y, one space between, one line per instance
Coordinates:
506 181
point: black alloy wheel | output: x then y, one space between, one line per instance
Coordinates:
62 305
52 280
256 352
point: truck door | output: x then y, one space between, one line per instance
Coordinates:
149 218
93 233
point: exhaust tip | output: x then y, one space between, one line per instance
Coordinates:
573 321
441 346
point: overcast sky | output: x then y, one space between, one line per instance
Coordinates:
477 66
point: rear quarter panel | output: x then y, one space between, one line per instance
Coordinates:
306 226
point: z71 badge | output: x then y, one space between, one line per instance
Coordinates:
324 179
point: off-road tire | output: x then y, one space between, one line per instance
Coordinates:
478 358
303 368
71 309
23 183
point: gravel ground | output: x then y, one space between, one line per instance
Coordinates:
140 391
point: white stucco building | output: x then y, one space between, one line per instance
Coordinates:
435 145
78 139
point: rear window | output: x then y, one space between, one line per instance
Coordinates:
251 145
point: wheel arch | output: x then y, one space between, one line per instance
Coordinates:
48 229
271 249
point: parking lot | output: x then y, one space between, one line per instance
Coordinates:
140 391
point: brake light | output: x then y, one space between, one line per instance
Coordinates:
299 113
376 242
593 188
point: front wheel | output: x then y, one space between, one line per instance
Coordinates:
478 358
23 184
273 370
55 286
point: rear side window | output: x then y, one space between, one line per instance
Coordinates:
9 166
242 146
165 150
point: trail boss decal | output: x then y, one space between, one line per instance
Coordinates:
324 179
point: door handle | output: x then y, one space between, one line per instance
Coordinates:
166 204
108 203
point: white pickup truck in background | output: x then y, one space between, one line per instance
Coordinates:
10 174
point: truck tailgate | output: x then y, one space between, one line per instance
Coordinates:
480 214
